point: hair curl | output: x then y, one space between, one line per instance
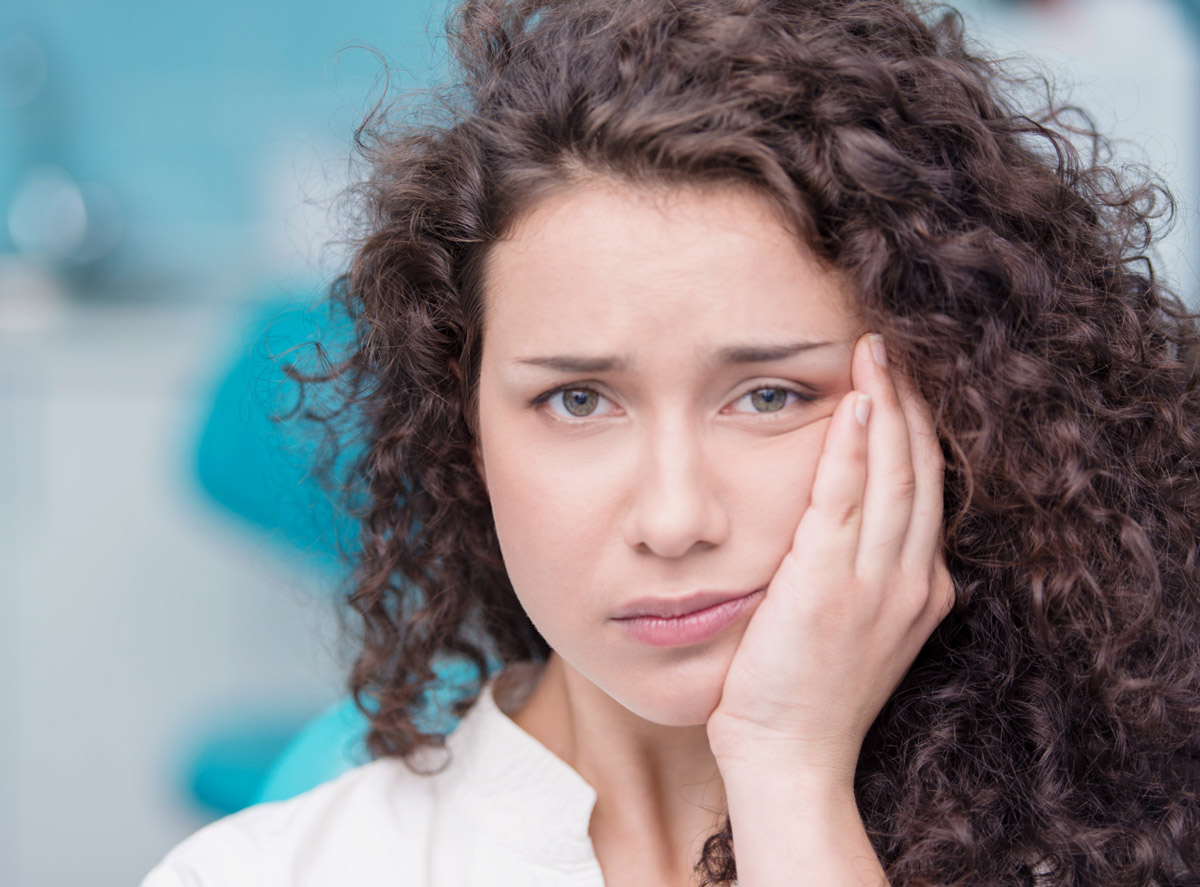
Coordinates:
1051 725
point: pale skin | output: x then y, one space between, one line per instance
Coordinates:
808 478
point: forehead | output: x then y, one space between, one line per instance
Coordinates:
617 261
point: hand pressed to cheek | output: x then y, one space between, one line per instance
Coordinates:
855 598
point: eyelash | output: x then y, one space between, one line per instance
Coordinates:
545 397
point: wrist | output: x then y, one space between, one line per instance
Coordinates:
821 789
800 826
766 760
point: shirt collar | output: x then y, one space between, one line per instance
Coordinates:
531 800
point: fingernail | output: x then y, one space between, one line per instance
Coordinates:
862 408
877 349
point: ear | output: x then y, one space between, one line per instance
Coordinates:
476 453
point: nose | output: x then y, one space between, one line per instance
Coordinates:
676 505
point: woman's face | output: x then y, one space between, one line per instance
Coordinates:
658 373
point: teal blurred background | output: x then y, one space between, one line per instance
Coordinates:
189 125
168 216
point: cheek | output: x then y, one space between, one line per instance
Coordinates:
540 489
551 510
773 487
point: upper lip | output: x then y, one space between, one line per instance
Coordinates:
673 608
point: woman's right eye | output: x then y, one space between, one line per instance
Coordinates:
574 403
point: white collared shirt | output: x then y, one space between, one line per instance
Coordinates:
503 811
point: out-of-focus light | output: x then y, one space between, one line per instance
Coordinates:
22 69
54 217
47 216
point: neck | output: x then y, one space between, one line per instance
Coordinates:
658 791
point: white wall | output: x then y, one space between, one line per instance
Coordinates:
132 614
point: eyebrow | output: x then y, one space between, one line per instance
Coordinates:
733 354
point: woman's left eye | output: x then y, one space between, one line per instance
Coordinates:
771 399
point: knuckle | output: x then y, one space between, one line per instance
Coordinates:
925 591
844 512
834 512
944 592
903 481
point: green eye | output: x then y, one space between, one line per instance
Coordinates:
574 402
772 399
580 402
769 400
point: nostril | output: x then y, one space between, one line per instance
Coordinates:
676 512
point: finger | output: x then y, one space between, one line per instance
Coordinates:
941 598
924 539
891 477
831 522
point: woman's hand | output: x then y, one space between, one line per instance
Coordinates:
861 590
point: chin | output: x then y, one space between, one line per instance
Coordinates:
682 694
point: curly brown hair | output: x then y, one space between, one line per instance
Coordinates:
1051 725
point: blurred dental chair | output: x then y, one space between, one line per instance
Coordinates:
258 468
256 465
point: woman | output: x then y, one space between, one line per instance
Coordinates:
802 428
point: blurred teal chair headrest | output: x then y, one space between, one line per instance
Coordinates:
334 742
260 470
255 456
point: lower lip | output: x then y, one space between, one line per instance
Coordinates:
693 628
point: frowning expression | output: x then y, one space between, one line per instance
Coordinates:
657 377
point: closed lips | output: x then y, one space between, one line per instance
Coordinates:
675 608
